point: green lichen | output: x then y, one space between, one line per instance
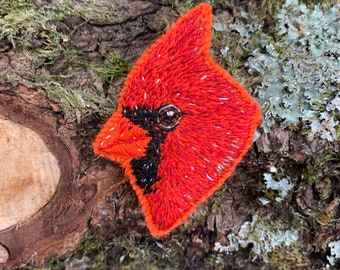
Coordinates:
265 238
295 70
283 186
300 72
335 252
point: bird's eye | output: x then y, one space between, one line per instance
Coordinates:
168 116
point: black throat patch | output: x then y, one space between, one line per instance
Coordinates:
145 168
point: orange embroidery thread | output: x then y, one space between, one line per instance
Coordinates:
182 124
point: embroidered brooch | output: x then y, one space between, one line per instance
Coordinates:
182 124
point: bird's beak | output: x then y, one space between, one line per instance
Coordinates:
120 140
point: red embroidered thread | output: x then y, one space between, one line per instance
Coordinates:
182 124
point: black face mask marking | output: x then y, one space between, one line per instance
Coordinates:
158 123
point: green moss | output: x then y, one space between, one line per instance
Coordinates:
22 24
76 100
102 250
112 68
67 76
321 164
185 6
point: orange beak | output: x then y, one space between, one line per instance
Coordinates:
120 140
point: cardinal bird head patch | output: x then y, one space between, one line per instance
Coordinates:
182 124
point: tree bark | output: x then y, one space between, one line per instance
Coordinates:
84 191
32 231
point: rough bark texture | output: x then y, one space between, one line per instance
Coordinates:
91 195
